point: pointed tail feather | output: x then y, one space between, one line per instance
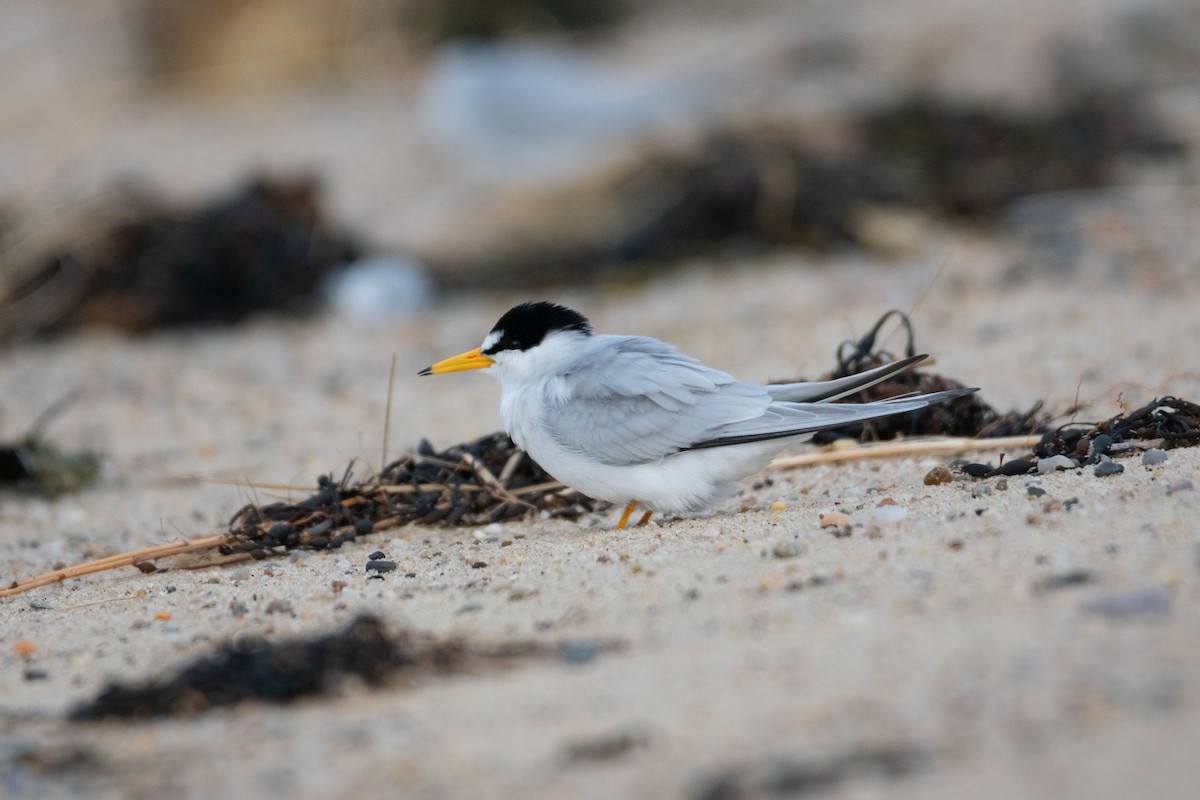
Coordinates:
835 415
827 391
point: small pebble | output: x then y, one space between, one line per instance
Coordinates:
579 652
1100 444
1017 466
979 470
835 519
1054 463
378 554
478 564
1033 487
981 490
788 548
1106 468
1154 456
279 607
381 565
1138 602
239 575
40 605
363 526
778 505
279 531
1181 486
936 477
36 674
1002 485
1063 580
24 647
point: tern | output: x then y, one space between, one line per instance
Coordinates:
631 420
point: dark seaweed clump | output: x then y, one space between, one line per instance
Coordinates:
1168 422
264 246
255 669
1164 423
964 416
476 483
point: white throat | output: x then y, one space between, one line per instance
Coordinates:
519 368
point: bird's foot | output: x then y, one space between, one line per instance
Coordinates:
629 509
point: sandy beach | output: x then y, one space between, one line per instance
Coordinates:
985 638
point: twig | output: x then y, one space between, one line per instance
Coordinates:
387 412
484 474
906 448
112 562
97 602
510 466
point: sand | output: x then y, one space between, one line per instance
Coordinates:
916 657
982 644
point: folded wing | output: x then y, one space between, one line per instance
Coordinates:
633 400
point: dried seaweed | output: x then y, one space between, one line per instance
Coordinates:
282 672
965 160
33 465
963 416
1166 422
149 263
487 480
748 189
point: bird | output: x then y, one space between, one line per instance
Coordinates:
633 421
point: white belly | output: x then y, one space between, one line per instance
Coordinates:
685 482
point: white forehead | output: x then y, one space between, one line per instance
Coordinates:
491 339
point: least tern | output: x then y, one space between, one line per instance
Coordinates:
631 420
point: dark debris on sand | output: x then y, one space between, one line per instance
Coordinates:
264 246
32 465
964 416
476 483
1167 422
1162 424
971 161
282 672
747 189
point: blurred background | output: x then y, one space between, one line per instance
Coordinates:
166 162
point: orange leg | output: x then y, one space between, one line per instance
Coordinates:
628 512
645 518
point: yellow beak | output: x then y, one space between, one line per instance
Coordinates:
472 359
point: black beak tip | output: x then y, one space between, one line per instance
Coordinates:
426 371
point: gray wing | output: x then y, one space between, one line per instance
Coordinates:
632 400
795 419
